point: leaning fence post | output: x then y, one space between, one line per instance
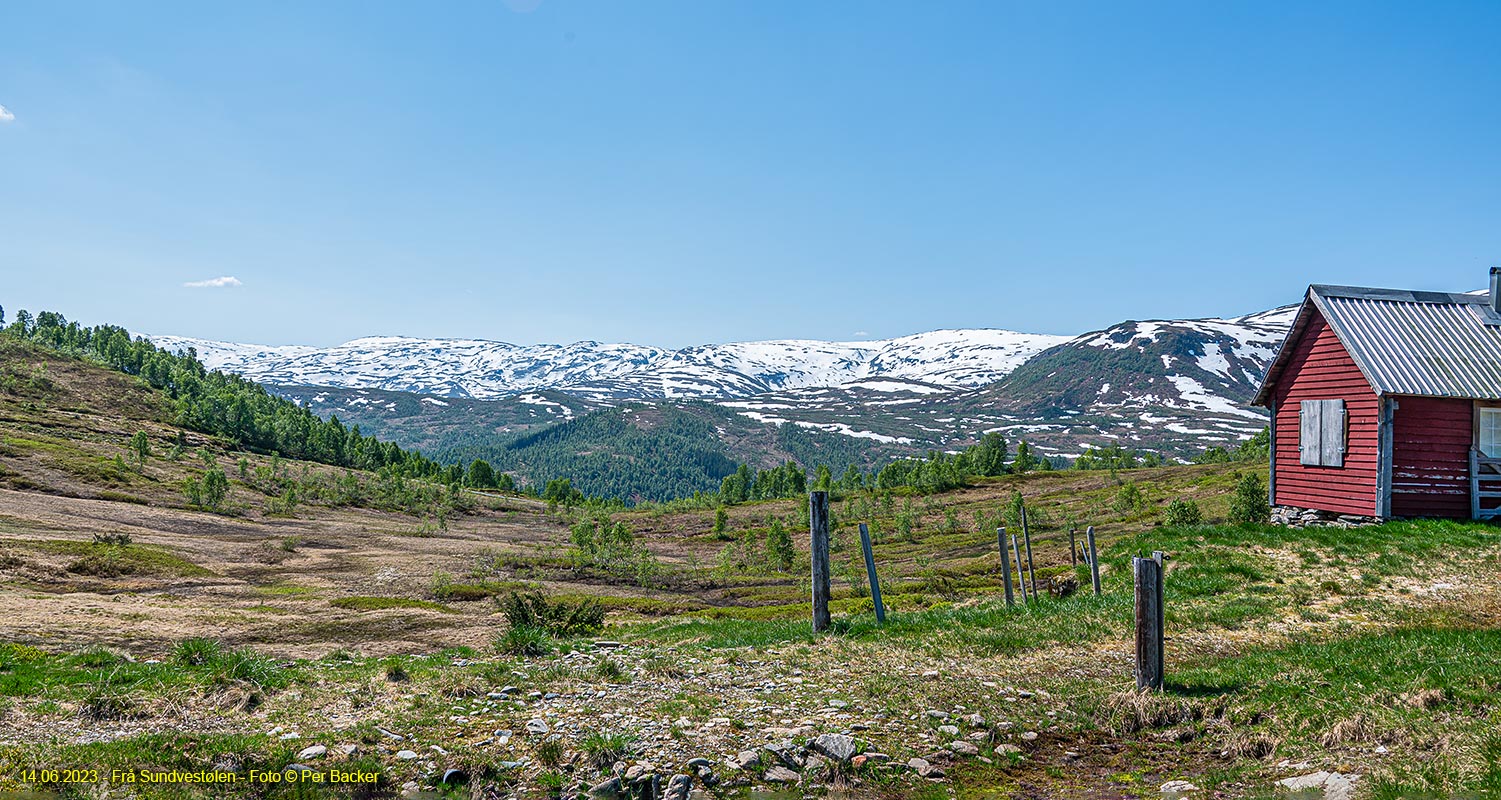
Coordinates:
1027 537
1021 580
1000 537
1094 559
818 532
870 572
1073 549
1148 623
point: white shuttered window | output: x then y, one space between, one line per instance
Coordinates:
1321 433
1490 431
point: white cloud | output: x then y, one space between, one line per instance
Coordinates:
214 283
6 116
862 333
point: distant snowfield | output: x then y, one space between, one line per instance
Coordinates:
934 362
905 388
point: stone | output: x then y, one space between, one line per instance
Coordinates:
835 746
316 751
537 726
1029 736
963 749
948 730
787 754
1006 749
287 737
1178 788
349 749
924 769
748 758
389 735
605 644
678 788
1334 785
608 790
936 714
406 755
777 773
695 763
975 721
1304 782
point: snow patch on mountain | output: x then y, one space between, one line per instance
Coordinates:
478 368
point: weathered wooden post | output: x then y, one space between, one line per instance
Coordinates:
870 572
1073 548
1094 559
1148 623
1000 537
1027 537
1021 580
818 549
1161 559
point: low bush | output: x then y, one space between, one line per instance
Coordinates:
559 619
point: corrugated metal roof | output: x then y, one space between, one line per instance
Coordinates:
1435 344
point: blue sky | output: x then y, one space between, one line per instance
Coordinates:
676 173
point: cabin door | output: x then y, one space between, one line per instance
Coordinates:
1485 463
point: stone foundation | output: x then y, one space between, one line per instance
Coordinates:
1295 517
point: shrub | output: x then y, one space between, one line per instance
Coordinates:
1249 504
523 642
604 749
1129 498
559 619
196 652
1184 513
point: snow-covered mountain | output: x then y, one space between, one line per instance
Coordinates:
481 369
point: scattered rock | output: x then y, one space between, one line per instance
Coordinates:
609 790
777 773
948 730
678 788
1178 788
924 769
787 754
963 749
1334 785
406 755
837 747
537 726
316 751
1029 736
748 758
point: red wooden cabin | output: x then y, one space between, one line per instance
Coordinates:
1387 403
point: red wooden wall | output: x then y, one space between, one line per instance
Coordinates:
1321 369
1431 457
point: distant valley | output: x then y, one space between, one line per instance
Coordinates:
590 410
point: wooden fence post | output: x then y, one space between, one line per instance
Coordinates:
818 549
1027 537
1148 623
1073 547
1161 559
870 572
1021 580
1094 559
1000 538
